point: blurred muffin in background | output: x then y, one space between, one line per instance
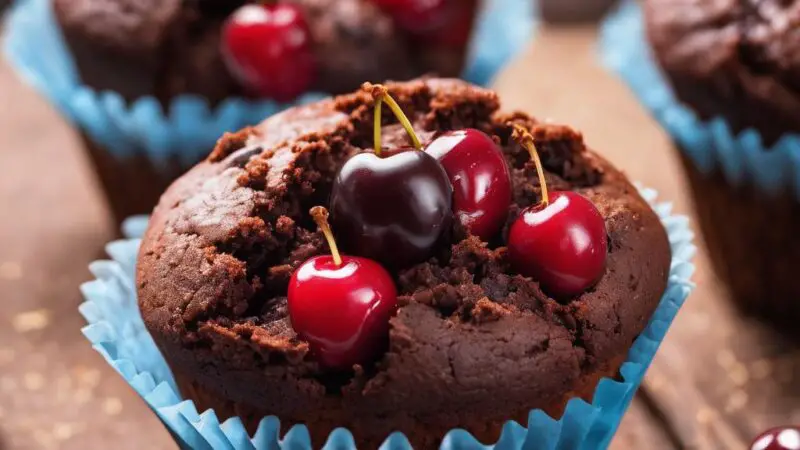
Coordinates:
722 79
167 48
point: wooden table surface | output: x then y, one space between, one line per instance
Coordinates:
719 379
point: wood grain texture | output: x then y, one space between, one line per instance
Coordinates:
719 378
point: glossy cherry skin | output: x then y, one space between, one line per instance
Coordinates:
393 209
268 48
480 178
563 246
784 438
342 311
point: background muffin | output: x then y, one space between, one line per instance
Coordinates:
725 87
174 47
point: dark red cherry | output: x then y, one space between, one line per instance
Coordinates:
480 178
419 16
268 48
783 438
562 245
394 209
342 310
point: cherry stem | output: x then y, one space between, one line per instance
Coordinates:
381 96
320 216
524 138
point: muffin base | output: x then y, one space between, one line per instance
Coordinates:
373 431
132 185
751 242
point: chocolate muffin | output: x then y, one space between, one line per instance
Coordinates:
472 345
166 48
739 61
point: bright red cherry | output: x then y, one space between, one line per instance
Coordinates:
784 438
341 305
562 242
268 48
480 178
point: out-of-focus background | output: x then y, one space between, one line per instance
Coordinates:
718 380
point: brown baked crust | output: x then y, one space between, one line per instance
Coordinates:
736 59
472 341
165 48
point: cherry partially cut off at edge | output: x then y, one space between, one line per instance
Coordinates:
561 242
268 48
341 305
781 438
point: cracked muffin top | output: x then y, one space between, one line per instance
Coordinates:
469 333
733 58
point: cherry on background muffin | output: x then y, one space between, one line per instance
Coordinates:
736 65
221 50
470 342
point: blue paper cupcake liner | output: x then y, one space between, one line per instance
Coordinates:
35 47
712 144
116 330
